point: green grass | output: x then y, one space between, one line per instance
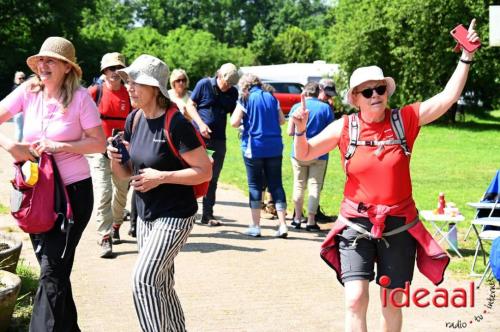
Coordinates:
4 209
24 305
459 160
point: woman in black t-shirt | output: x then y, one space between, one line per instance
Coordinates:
166 205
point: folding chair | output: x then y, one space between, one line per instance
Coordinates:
491 195
488 217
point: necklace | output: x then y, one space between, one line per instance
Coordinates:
44 115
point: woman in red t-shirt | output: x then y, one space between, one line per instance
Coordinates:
378 193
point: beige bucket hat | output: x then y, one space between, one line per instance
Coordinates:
58 48
365 74
111 60
147 70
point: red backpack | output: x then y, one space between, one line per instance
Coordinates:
200 189
37 206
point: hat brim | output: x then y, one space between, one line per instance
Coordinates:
330 92
391 87
32 61
141 78
112 64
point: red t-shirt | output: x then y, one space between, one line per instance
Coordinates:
115 104
383 179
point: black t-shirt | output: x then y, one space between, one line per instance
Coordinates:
149 149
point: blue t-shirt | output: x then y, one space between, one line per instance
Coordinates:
261 137
320 116
213 105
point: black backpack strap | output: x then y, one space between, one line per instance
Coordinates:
98 95
399 130
353 135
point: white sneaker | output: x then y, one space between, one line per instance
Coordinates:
282 231
253 231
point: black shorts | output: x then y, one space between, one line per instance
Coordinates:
397 261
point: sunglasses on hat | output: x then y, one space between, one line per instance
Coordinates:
368 93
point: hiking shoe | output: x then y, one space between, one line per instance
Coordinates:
313 228
210 221
296 224
271 209
132 231
115 235
253 231
126 215
106 247
282 232
321 217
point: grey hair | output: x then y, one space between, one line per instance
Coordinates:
246 82
311 89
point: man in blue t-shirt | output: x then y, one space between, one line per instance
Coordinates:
211 101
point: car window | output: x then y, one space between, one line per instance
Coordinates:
294 88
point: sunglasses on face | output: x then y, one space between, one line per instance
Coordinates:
21 78
114 68
181 80
368 93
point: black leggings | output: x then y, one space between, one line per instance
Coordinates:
53 307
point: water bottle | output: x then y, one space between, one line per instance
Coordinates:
441 203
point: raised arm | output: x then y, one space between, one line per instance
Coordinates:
324 142
433 108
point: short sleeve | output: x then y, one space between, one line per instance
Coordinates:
184 136
128 125
197 92
89 115
15 101
410 115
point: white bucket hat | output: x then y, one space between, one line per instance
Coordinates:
147 70
365 74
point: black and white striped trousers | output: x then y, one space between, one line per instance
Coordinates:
156 302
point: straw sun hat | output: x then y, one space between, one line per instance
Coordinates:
58 48
147 70
111 60
365 74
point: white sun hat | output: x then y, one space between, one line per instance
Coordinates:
147 70
365 74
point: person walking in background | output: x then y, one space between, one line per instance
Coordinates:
327 94
166 205
18 119
113 103
60 119
378 219
262 149
211 101
309 174
179 92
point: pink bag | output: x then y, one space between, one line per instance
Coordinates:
37 206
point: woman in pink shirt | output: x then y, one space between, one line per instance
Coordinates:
59 118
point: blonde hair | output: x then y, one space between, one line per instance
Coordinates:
176 73
70 84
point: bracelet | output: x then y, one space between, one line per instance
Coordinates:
467 62
300 133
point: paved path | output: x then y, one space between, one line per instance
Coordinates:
229 282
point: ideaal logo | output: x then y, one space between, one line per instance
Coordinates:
422 297
440 298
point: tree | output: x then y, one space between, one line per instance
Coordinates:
294 45
24 25
410 40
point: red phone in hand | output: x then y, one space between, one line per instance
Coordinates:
460 35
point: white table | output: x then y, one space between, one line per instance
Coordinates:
442 223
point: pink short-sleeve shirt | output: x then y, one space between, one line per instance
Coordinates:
47 119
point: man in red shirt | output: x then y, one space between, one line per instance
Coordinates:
113 102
